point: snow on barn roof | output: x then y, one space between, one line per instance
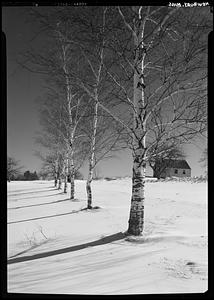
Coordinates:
176 163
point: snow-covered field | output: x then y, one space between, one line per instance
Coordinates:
57 247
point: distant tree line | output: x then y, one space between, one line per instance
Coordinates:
13 168
14 171
29 176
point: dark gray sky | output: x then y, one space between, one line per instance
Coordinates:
23 88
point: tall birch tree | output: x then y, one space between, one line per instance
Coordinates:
88 41
55 62
168 70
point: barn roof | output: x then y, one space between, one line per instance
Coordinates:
176 163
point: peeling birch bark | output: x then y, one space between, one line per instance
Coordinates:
72 187
55 180
56 173
71 132
60 183
88 187
91 160
66 176
136 218
72 184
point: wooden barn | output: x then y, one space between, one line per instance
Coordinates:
172 167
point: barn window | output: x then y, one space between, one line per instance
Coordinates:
176 171
184 172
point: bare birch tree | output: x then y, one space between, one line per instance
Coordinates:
169 75
55 62
90 25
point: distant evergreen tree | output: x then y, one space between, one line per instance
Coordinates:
30 176
27 175
77 175
35 176
13 168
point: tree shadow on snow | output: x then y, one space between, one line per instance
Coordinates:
39 204
105 240
54 216
31 248
35 191
34 197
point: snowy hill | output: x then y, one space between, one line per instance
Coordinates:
55 246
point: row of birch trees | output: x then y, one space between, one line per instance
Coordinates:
130 76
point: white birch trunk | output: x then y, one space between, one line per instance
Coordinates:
91 159
60 182
88 185
55 180
72 171
66 176
71 135
56 173
136 218
93 139
70 140
70 165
